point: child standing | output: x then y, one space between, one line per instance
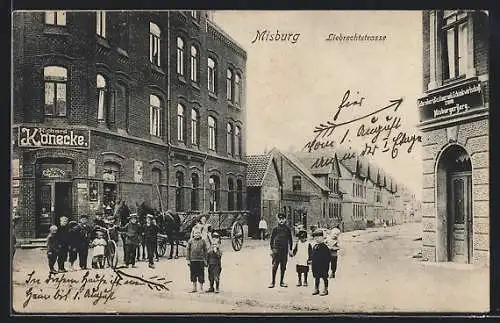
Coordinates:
214 263
99 245
320 261
132 234
197 257
53 248
301 253
150 238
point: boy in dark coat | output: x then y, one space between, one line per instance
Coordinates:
81 239
150 238
214 263
64 239
320 261
132 239
53 248
196 256
281 245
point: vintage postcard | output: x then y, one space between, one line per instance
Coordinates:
250 161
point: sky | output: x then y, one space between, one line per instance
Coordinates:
293 87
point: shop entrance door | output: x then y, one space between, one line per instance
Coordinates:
460 217
44 215
62 201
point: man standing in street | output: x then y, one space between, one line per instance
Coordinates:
262 229
281 246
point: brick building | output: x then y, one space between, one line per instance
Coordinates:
135 106
454 119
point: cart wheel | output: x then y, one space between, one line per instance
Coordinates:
112 256
162 247
237 236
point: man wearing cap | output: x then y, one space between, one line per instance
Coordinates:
63 236
150 238
281 245
81 239
131 230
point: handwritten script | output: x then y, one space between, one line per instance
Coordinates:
95 287
380 128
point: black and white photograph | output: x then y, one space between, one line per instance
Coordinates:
244 161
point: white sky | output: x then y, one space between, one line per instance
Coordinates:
291 88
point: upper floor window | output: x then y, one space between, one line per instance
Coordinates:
180 56
154 115
101 23
296 183
194 14
180 122
194 64
237 89
154 43
57 18
102 97
55 79
212 72
229 139
237 141
454 43
212 133
229 85
194 127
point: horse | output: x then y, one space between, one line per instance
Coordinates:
170 226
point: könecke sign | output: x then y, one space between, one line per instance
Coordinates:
454 101
53 137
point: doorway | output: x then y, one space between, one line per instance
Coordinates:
54 201
62 201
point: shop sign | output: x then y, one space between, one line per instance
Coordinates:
455 101
53 137
53 173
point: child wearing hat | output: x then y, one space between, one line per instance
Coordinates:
320 260
150 238
301 253
99 245
214 263
53 248
132 239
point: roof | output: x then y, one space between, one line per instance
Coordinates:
310 159
257 169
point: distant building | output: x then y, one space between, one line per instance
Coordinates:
454 120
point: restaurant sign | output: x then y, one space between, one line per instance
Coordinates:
455 101
53 137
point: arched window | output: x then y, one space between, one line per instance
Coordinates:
239 194
180 56
194 127
214 189
230 194
180 122
212 133
154 43
179 196
229 85
155 115
55 79
101 23
229 139
102 97
194 64
237 89
237 141
195 184
212 73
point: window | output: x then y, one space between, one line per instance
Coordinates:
296 183
330 183
101 23
212 72
194 14
237 89
154 44
229 139
454 43
179 197
194 127
336 185
180 56
55 18
214 187
239 194
212 133
180 122
237 141
229 85
102 97
55 78
195 184
155 115
194 64
230 195
122 104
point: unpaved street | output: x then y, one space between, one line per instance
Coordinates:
376 273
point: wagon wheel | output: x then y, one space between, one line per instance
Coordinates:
237 236
162 247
